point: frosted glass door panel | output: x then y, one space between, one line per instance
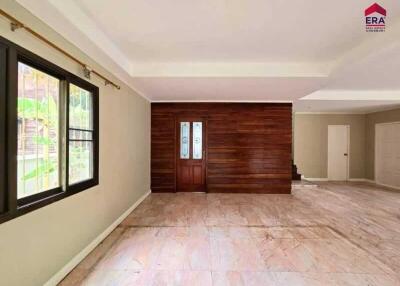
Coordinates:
185 142
197 140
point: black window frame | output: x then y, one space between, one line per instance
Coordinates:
76 187
50 70
3 114
10 206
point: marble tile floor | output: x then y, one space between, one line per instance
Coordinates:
333 234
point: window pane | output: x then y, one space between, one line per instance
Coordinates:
185 143
80 135
3 56
80 161
197 140
38 131
80 108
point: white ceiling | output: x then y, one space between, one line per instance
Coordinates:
231 30
215 88
345 106
234 50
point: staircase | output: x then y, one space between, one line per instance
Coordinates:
295 176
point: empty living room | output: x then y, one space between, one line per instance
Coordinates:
199 143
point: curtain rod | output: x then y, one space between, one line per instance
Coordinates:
16 24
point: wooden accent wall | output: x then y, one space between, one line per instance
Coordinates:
249 146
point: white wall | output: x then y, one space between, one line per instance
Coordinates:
371 120
311 143
37 245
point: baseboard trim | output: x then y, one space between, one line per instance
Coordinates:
316 179
374 182
349 180
388 186
81 255
360 180
352 180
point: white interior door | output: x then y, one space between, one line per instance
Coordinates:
338 152
387 154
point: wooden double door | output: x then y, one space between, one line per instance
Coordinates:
190 157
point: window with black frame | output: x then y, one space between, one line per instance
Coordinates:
3 62
81 135
38 134
48 132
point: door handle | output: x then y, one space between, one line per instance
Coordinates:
345 154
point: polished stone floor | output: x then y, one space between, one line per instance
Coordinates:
333 234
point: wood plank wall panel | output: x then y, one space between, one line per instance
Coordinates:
163 153
249 146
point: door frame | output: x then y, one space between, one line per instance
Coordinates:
191 118
348 150
376 153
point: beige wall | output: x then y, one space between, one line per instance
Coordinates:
371 120
37 245
311 143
